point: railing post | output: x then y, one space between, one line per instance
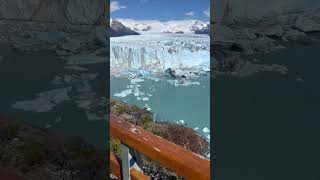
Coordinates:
125 162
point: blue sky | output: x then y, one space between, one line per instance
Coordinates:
162 10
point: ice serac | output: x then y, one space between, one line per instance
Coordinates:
157 53
56 11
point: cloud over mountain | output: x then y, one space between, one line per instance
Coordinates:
115 6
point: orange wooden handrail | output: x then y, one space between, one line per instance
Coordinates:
137 175
115 168
185 163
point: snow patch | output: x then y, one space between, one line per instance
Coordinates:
206 130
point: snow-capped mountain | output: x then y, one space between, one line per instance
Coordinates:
205 30
118 29
154 26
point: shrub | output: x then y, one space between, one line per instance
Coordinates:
135 108
33 153
115 146
121 110
182 136
12 131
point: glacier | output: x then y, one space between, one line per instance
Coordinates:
151 54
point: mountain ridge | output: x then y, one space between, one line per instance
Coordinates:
173 26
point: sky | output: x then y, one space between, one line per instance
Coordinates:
162 10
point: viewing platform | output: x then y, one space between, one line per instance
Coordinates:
177 159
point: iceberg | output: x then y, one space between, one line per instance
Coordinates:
123 93
206 130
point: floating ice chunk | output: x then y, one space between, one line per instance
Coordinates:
189 83
136 92
196 128
208 136
206 130
145 99
181 121
147 107
59 119
173 82
154 79
45 101
136 80
123 93
144 73
177 83
48 126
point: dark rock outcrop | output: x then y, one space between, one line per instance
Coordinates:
118 29
205 30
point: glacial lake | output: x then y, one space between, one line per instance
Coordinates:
267 125
188 105
24 75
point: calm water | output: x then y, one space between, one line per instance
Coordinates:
22 75
267 125
186 104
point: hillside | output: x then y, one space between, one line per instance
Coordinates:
154 26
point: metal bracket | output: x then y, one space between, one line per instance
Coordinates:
125 162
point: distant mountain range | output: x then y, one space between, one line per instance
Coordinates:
118 29
122 27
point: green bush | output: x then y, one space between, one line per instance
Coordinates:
135 108
115 146
113 102
121 110
12 131
33 153
147 121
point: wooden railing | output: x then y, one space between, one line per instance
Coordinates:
177 159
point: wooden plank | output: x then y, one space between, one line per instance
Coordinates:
137 175
185 163
115 168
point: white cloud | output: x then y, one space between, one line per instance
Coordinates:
207 12
190 13
115 6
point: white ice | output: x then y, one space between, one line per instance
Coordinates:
150 54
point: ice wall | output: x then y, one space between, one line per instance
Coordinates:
159 52
55 11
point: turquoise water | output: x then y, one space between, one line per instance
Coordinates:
188 105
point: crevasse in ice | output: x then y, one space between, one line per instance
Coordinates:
158 52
